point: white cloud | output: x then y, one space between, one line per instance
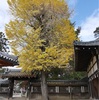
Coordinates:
88 26
4 14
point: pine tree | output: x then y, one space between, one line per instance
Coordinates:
3 43
96 33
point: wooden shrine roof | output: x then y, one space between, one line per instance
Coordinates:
16 73
7 60
83 52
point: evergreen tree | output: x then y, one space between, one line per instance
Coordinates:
96 33
3 43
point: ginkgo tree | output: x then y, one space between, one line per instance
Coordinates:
42 35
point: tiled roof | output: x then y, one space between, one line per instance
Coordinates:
16 72
13 60
89 43
12 72
18 75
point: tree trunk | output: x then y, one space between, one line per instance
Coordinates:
44 89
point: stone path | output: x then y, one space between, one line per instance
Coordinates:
3 98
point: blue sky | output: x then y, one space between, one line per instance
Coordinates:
86 15
83 9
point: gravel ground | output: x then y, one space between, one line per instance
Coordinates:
38 97
20 98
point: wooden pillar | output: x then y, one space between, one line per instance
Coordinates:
90 89
98 83
11 86
28 90
97 57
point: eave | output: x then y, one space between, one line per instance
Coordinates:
7 59
83 52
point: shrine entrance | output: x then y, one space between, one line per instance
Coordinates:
19 83
20 88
